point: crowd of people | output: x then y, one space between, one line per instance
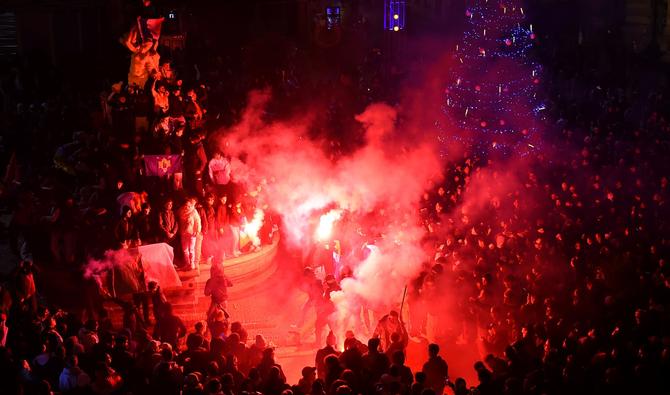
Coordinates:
562 273
562 276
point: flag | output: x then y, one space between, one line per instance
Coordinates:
161 165
150 27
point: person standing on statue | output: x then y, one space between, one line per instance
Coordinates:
143 60
195 162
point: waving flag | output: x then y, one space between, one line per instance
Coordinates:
161 165
150 27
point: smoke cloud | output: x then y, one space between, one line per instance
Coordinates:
379 186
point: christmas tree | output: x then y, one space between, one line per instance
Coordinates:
491 91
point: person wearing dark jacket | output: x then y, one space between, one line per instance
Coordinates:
193 110
158 299
167 223
195 161
124 231
209 234
176 111
375 363
435 369
222 226
169 327
145 225
217 288
322 353
267 364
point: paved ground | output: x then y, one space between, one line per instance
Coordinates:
273 307
269 308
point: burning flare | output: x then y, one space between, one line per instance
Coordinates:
326 222
251 228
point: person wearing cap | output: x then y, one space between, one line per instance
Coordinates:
308 378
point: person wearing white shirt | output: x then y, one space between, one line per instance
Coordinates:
219 173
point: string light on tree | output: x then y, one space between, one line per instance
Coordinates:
492 89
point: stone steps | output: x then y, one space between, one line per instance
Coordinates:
248 273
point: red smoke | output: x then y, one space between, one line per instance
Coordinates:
298 178
378 185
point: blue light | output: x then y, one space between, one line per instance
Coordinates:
492 88
394 15
333 17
